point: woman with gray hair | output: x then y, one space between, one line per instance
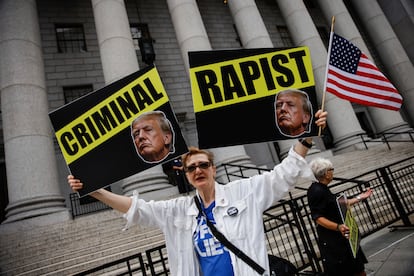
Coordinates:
333 236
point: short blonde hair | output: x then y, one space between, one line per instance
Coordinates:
194 151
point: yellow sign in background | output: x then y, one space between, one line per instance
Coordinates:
353 232
85 132
239 80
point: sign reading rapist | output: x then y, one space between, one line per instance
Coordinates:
240 96
117 131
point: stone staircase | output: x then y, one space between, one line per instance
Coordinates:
72 246
88 241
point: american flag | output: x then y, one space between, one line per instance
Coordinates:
352 76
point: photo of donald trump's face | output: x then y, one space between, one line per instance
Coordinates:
293 112
153 136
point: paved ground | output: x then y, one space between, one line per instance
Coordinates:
390 253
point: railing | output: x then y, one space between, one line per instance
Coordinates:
387 138
85 205
291 232
156 262
119 266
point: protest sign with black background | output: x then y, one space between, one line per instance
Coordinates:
234 93
94 131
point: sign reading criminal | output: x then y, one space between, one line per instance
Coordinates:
239 84
96 131
111 116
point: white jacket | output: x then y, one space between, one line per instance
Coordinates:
251 196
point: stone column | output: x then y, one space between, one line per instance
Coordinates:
344 26
192 36
32 177
342 120
393 55
249 24
114 37
189 27
119 60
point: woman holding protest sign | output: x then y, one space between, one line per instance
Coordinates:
333 235
235 209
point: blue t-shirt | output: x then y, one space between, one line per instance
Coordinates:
214 258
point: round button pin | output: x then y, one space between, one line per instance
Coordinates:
232 211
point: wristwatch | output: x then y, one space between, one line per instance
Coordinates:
305 143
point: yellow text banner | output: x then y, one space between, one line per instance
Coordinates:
111 116
239 80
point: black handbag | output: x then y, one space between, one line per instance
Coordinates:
278 266
281 267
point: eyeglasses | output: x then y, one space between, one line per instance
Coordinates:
201 165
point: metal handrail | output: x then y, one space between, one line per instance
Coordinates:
385 138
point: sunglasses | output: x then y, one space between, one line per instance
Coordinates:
201 165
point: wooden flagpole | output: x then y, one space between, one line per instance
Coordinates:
327 65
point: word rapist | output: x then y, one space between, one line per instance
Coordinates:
252 77
111 116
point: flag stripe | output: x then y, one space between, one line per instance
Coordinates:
368 102
358 100
338 88
370 70
360 83
352 76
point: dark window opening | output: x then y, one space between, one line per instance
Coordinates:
143 42
139 31
74 92
70 38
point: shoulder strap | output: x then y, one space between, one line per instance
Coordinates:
227 243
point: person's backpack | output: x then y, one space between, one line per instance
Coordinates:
281 267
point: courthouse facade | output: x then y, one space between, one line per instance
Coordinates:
54 51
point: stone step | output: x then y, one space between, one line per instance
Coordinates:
54 246
73 262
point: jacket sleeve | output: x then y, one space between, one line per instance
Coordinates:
274 185
148 213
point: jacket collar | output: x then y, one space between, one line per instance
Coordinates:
220 199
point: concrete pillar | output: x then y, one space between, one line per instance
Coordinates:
189 27
342 120
32 177
393 55
249 24
119 60
400 14
114 37
344 26
192 36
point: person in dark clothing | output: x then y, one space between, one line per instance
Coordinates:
333 236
